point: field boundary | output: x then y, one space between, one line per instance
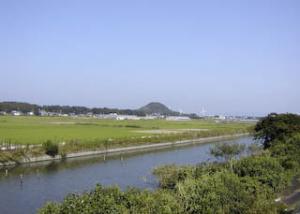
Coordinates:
125 150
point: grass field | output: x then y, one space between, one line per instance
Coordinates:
36 130
86 134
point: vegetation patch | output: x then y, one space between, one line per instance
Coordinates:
247 185
169 131
88 134
50 148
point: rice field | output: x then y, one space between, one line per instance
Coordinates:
36 130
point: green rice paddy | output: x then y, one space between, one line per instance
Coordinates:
36 130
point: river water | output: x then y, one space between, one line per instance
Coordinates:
26 188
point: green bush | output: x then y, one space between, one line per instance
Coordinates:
225 192
50 148
170 175
113 200
161 201
287 151
264 169
227 151
209 169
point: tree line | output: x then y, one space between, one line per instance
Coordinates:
27 107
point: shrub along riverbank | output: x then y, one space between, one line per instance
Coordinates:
248 185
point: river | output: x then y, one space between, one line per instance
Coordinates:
26 188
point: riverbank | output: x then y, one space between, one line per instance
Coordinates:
123 150
53 181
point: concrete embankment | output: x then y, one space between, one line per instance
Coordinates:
125 150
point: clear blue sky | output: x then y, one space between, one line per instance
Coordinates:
230 57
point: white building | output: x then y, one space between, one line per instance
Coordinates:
221 117
16 113
150 117
112 116
128 117
178 118
43 113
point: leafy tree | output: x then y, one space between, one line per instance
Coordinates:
276 127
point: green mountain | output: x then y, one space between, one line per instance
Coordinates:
157 108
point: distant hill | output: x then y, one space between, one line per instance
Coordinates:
157 108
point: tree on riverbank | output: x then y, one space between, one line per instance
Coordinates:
276 127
